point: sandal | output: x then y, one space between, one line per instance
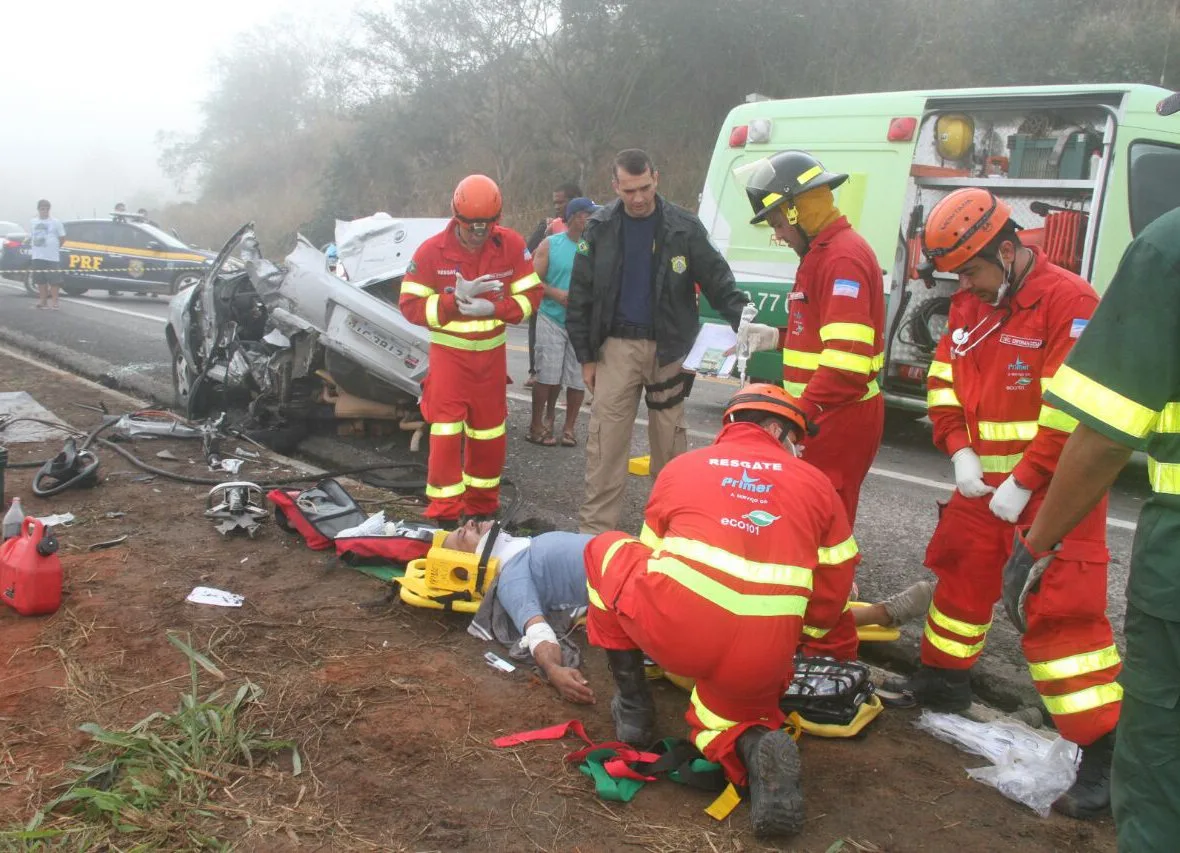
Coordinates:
568 440
545 439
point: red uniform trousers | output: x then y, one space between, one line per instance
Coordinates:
1069 644
464 399
844 449
742 664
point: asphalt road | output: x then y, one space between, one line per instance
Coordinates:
123 338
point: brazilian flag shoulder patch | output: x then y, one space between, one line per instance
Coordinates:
583 247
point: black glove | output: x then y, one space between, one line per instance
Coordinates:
1022 575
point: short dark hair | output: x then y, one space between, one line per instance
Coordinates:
633 161
43 203
570 189
755 416
1008 234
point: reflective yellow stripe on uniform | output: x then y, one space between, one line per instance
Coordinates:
484 434
1000 464
837 554
941 370
851 362
779 574
1074 665
443 339
1103 404
795 389
1169 419
526 307
1164 477
800 359
956 626
432 311
447 428
818 633
857 332
942 397
713 723
469 326
1007 430
1057 419
445 491
524 283
481 482
953 647
1084 700
724 597
415 289
595 598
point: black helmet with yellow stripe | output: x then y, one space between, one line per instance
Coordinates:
777 180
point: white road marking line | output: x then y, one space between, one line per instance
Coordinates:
87 303
880 472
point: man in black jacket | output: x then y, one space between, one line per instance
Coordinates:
632 318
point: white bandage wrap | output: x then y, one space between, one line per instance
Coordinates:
537 633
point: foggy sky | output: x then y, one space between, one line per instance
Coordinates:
85 86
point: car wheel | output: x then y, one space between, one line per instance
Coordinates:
188 388
184 281
73 290
112 293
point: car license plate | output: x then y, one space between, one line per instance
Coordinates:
374 336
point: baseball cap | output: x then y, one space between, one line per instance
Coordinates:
577 205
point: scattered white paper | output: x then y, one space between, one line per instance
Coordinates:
708 354
58 519
229 465
216 597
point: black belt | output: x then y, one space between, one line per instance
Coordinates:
631 332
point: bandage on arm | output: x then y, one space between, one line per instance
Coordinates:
537 633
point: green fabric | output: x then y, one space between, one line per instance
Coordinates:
1145 789
383 573
606 786
1132 347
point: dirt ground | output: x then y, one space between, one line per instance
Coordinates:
393 708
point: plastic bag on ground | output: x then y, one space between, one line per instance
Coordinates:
1026 766
374 525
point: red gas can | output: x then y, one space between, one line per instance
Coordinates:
30 571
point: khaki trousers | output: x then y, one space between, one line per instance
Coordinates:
624 369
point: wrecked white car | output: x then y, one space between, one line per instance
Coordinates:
289 342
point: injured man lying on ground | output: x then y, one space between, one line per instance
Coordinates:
539 595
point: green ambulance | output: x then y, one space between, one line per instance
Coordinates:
1084 167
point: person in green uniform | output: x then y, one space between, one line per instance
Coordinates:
1122 383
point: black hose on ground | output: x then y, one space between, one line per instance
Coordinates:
92 436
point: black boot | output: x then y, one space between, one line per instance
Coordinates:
633 709
776 794
947 690
1089 797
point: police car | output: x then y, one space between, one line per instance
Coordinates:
124 253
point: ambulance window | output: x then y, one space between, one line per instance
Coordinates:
1155 174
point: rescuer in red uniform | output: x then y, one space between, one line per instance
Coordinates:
464 284
743 544
1011 325
833 345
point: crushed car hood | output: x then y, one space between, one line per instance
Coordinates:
380 245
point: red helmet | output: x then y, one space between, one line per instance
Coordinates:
764 397
960 225
477 199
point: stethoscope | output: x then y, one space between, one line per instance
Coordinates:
963 341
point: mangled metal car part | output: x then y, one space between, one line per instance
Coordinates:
281 341
236 506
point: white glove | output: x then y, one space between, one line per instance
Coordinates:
1010 500
759 336
969 474
476 307
466 290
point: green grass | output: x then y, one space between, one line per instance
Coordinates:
153 785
